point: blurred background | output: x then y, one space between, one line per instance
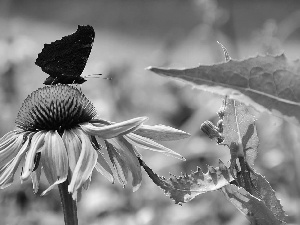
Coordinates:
130 36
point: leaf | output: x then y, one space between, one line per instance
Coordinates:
239 131
267 82
255 209
184 188
265 192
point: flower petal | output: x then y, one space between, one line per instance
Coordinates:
151 145
87 183
85 164
127 152
8 136
119 163
161 133
37 142
35 177
54 160
8 171
73 146
114 130
103 168
9 147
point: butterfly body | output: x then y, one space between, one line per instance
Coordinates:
65 59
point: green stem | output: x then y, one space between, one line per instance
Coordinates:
68 204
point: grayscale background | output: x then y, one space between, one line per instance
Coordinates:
130 36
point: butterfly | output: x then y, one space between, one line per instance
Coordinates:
65 59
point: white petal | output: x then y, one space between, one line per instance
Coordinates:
161 133
119 164
85 164
127 153
87 183
35 177
114 130
9 148
54 159
8 171
7 136
151 145
73 146
103 168
37 142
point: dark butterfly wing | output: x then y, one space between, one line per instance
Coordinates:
65 59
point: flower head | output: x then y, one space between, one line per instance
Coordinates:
58 133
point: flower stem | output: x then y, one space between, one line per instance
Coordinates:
68 204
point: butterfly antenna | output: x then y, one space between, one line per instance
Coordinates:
97 76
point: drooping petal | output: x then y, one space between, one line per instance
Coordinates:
36 174
100 141
97 146
54 160
35 177
37 142
8 171
161 133
9 147
85 164
100 122
7 136
151 145
127 153
114 130
87 183
73 146
119 163
103 168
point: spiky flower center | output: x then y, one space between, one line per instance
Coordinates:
58 107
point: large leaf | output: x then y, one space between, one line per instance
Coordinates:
254 208
254 197
184 188
264 192
266 82
239 131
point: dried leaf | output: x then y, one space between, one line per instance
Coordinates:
184 188
267 82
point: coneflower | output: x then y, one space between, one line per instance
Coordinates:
58 132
